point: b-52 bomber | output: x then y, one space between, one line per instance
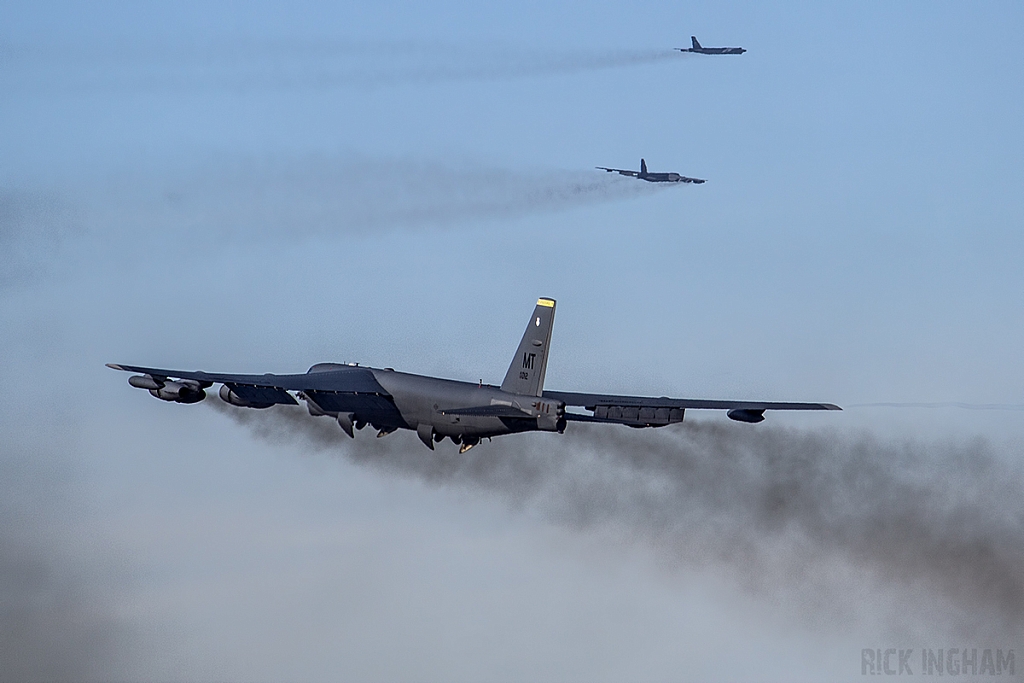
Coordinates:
644 174
435 408
700 49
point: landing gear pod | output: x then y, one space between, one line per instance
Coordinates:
425 431
346 424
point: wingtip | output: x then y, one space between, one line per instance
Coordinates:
115 366
831 406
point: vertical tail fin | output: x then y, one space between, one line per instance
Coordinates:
643 167
526 374
696 45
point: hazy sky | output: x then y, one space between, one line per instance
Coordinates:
257 187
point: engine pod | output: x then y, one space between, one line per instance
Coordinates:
746 415
145 382
181 391
228 395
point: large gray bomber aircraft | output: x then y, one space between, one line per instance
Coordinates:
697 48
436 408
644 174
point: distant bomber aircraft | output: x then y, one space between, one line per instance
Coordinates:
644 174
700 49
465 412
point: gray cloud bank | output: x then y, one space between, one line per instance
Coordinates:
59 614
921 536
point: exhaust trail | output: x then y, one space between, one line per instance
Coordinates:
240 200
921 536
60 614
331 195
292 65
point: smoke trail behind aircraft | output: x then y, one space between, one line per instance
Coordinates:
921 536
241 200
292 65
59 616
331 195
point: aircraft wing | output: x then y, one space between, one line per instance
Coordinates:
620 171
348 379
340 389
642 411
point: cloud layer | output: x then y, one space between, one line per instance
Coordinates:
59 608
921 536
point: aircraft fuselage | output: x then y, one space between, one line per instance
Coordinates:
696 47
716 50
661 177
425 404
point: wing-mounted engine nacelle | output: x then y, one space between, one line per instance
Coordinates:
146 382
746 415
177 391
636 416
229 396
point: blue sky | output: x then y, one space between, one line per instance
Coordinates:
258 187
